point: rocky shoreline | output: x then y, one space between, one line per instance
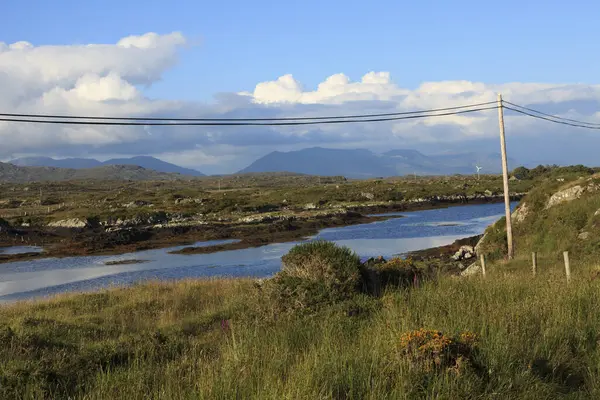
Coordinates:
78 237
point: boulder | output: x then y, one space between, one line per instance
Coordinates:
367 195
68 223
565 195
583 235
464 253
520 213
471 270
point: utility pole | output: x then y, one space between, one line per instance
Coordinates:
509 237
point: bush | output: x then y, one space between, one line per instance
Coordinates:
395 273
314 274
431 350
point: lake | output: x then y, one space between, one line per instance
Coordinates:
414 231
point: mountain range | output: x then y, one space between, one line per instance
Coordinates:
360 163
80 163
18 174
353 163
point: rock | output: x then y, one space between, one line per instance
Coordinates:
188 200
137 203
513 178
472 269
520 213
68 223
597 213
584 235
464 253
566 195
488 193
310 206
367 195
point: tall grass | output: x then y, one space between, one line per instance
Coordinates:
537 338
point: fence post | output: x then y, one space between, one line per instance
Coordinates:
482 258
567 265
534 265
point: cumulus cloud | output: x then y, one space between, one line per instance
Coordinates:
110 79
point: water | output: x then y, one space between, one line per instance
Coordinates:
415 231
20 250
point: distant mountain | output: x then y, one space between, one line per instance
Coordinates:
18 174
78 163
319 161
51 162
361 163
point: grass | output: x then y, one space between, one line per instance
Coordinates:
536 338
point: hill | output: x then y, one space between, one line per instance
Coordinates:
560 214
79 163
16 174
360 163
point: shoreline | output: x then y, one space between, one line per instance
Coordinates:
93 242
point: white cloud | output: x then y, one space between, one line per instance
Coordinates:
109 80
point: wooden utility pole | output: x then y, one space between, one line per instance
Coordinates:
509 237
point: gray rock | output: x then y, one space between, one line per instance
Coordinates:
520 213
565 195
68 223
369 196
464 253
584 235
471 270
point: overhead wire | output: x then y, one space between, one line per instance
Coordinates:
578 124
550 115
75 120
242 119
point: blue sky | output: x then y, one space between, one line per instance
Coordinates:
287 58
240 43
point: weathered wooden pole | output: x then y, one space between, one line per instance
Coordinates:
534 263
509 237
482 258
567 265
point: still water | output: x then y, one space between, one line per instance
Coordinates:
414 231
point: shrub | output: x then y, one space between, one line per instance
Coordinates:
396 272
431 350
314 274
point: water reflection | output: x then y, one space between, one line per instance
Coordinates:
417 230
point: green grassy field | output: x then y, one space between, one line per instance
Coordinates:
535 338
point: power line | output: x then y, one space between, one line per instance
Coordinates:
550 115
578 125
242 123
240 119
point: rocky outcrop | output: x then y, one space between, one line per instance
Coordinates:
464 253
520 213
68 223
565 195
570 194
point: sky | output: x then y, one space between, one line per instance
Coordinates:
276 58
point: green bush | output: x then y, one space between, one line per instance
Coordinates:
394 273
314 274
